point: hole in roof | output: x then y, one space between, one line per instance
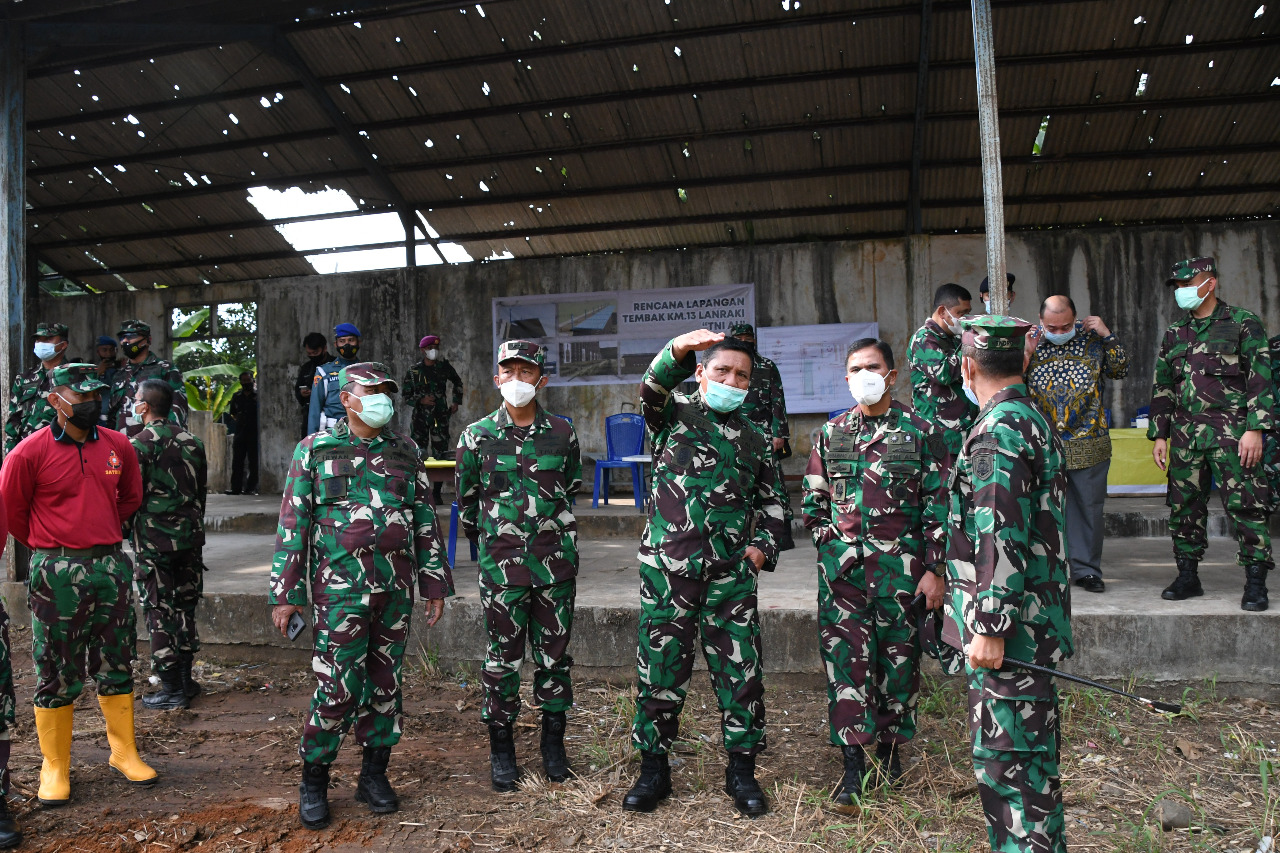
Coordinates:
682 195
448 177
1257 14
413 91
132 119
94 97
1190 38
485 88
358 26
537 169
1139 20
480 9
635 67
1142 84
536 35
484 188
1038 146
676 50
1210 63
1276 82
429 144
265 103
233 118
344 87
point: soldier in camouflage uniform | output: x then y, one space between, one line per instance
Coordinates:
168 533
141 363
10 834
69 488
766 407
934 358
875 504
425 387
517 470
356 530
1211 404
28 408
1007 589
714 522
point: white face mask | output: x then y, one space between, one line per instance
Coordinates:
867 387
433 354
950 322
986 304
136 413
517 393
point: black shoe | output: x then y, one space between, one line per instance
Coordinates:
555 763
653 786
10 834
1091 583
313 796
435 494
887 756
1255 589
503 771
1186 584
374 787
785 541
740 783
855 770
231 492
170 696
190 686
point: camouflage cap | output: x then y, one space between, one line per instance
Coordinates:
524 351
48 330
134 327
1190 268
367 373
77 377
742 329
994 332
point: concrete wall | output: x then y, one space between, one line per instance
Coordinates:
1117 273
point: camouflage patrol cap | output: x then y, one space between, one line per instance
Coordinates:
367 373
994 332
738 329
1190 268
134 327
535 354
78 377
48 330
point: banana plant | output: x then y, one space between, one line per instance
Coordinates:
210 386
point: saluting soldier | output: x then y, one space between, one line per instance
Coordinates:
426 387
168 533
875 504
933 356
517 471
1007 588
715 522
766 407
1211 403
356 530
325 407
141 363
29 408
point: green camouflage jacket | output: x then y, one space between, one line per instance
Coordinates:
28 407
421 380
766 404
714 491
874 498
356 518
1007 571
124 385
174 486
514 492
1213 380
937 391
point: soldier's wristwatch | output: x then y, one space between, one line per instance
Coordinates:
938 569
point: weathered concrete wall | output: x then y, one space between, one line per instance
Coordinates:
1117 273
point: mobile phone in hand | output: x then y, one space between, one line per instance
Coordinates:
296 624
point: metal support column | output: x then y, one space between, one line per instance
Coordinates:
915 221
13 227
989 135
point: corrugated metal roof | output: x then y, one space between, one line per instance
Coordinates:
605 125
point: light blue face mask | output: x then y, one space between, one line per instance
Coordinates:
1188 298
1059 338
45 350
376 410
723 398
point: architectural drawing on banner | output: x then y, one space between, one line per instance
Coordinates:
810 360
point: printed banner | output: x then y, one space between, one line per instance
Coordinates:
811 362
610 337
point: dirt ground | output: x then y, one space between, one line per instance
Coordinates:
229 774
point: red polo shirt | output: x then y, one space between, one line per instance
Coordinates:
59 494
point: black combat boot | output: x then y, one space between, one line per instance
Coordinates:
190 686
313 795
555 763
890 763
653 786
1186 584
373 787
740 783
10 834
855 770
170 696
503 771
785 540
1255 589
435 494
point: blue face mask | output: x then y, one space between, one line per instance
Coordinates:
723 398
1061 338
1188 298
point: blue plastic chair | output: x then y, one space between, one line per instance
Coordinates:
453 538
624 436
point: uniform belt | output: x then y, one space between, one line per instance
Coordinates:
95 551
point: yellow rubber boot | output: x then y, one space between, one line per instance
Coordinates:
53 727
118 712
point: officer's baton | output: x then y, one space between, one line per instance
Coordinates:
1153 704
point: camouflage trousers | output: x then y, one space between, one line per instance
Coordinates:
82 624
872 653
544 615
1013 723
780 483
7 700
676 612
1245 498
170 584
430 431
356 658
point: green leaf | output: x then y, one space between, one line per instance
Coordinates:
213 370
188 326
189 347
